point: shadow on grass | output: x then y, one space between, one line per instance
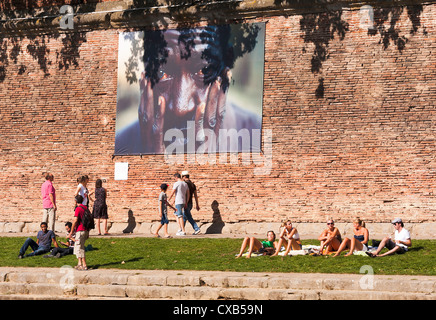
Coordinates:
116 263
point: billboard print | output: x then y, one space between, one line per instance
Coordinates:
190 90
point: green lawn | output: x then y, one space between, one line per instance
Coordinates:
219 254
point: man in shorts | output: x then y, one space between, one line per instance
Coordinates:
399 245
82 234
181 192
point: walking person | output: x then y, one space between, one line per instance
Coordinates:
82 234
48 194
100 207
192 194
181 193
163 211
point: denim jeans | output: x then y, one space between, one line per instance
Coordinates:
187 216
180 210
36 249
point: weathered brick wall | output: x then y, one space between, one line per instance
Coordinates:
352 116
33 4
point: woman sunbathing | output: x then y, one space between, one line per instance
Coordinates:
330 238
358 242
256 245
290 238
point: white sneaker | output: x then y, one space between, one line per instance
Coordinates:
196 232
180 233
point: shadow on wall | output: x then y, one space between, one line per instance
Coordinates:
217 222
131 222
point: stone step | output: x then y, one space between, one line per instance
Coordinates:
19 291
67 283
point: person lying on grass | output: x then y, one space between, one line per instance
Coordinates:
256 245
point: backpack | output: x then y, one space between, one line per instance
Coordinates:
88 219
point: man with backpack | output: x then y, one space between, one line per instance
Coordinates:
83 222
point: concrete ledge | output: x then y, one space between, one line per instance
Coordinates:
423 230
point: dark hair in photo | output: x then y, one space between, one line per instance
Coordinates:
272 233
79 198
98 183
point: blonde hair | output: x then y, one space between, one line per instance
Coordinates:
359 222
285 222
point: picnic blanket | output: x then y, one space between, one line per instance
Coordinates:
307 249
304 251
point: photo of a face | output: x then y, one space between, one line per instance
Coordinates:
186 90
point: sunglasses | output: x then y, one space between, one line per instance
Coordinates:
328 223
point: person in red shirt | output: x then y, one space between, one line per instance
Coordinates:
81 234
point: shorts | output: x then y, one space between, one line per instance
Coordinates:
79 244
164 219
179 212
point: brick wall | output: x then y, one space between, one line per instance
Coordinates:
33 4
352 116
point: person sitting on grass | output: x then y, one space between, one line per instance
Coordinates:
289 237
400 245
256 245
330 238
358 242
60 252
44 238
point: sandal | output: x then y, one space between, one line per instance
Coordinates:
81 268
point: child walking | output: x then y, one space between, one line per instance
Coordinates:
163 211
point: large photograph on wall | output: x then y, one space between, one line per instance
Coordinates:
190 90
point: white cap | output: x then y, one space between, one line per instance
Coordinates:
185 173
397 220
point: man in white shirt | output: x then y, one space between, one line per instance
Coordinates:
400 245
181 191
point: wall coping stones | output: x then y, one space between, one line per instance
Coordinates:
124 14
